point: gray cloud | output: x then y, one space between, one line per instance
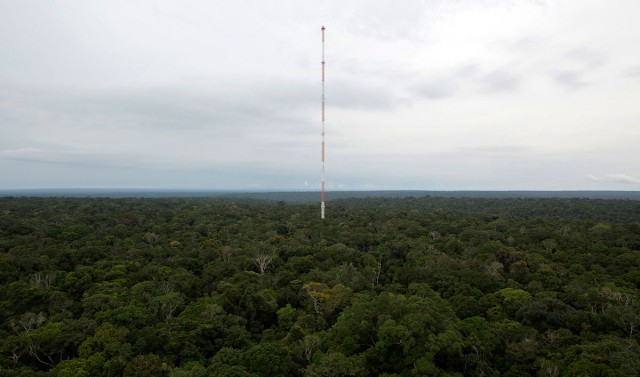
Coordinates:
221 94
436 89
500 80
632 71
348 95
216 105
186 126
250 125
586 57
575 65
569 79
67 157
228 106
467 71
525 43
35 154
523 167
615 178
469 76
385 20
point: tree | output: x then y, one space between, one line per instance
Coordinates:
309 344
147 366
549 244
549 313
335 364
205 326
622 307
513 299
267 360
327 300
392 331
78 367
262 260
190 369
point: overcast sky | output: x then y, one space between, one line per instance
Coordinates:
440 95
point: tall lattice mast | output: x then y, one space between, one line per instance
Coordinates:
322 191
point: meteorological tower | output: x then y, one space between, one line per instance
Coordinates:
322 153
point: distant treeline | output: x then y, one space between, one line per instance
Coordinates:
309 197
293 196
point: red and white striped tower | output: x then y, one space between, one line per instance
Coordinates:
322 190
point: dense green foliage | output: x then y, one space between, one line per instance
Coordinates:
394 287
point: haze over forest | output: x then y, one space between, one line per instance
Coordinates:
428 95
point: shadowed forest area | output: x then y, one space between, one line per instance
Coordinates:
417 286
